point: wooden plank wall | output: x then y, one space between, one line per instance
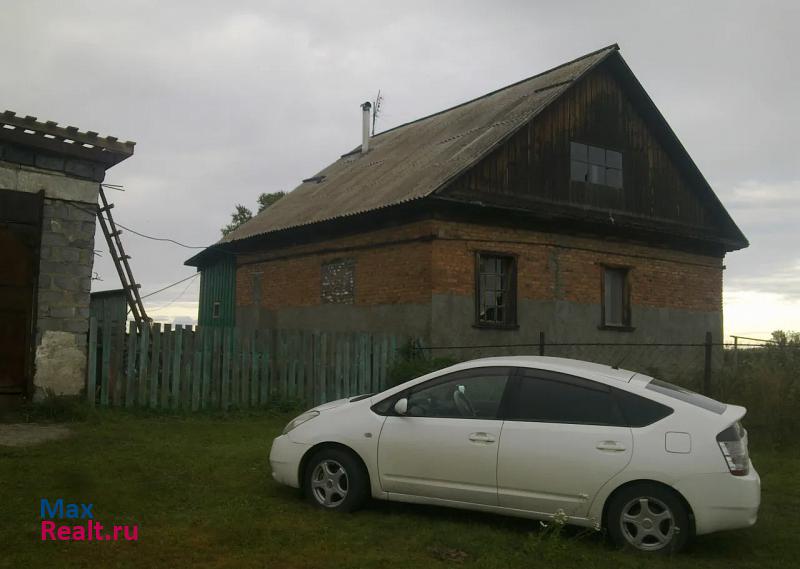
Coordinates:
194 368
534 164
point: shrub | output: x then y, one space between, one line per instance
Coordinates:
765 380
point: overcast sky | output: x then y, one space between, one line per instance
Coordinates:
228 100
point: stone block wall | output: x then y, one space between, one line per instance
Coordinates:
65 273
66 259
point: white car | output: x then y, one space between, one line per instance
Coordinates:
536 437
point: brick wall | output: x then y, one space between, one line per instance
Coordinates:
557 267
407 264
392 266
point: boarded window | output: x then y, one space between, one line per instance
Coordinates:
339 282
495 290
595 165
616 301
255 288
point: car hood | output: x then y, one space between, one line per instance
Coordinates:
331 404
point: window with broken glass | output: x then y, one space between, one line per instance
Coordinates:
496 290
595 165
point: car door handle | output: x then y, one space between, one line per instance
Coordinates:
481 438
611 446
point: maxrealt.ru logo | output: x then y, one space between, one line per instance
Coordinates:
88 529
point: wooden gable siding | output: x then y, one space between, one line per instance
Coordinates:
534 164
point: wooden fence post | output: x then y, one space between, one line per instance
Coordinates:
154 365
130 375
144 358
105 364
91 380
166 368
177 355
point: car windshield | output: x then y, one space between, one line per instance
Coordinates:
683 394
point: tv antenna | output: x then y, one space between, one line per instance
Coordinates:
376 110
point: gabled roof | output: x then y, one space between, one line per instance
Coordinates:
413 160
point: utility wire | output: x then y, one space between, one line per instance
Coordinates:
170 286
174 300
166 239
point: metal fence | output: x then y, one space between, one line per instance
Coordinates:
704 365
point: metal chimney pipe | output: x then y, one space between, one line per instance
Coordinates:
365 118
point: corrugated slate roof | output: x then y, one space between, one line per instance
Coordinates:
413 160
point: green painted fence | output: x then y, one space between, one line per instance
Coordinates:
192 368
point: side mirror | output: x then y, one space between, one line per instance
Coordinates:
401 407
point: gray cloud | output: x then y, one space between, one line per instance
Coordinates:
229 100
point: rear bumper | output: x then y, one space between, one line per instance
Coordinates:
284 459
721 501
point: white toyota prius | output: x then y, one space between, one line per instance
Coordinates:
536 437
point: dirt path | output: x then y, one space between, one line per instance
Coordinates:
26 434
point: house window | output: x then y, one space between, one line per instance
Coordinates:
216 309
616 298
496 303
339 282
595 165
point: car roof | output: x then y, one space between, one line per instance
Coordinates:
589 370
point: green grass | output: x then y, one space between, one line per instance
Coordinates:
199 487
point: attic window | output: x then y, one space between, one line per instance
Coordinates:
595 165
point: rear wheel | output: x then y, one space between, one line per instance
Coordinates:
336 480
650 518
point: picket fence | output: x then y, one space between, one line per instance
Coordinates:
192 368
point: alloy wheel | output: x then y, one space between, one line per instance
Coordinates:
647 523
329 483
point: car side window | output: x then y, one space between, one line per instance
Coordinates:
639 411
549 397
471 394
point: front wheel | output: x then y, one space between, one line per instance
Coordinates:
336 480
650 518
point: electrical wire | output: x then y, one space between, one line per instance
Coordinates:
108 220
169 286
174 300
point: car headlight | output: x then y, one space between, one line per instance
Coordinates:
299 420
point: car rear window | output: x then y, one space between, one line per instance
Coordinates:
687 396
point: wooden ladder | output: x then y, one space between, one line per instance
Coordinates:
121 260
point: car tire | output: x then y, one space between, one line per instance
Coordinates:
650 518
335 479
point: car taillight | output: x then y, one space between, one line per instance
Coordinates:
733 444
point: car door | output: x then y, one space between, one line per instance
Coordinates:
563 438
442 447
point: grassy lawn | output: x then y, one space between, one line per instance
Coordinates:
199 488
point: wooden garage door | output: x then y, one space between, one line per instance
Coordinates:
20 231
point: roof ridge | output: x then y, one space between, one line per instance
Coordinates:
613 46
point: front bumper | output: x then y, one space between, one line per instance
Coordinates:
284 459
722 501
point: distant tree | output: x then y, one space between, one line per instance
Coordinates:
240 215
243 214
266 200
786 338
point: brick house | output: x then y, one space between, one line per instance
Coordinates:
49 183
562 204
